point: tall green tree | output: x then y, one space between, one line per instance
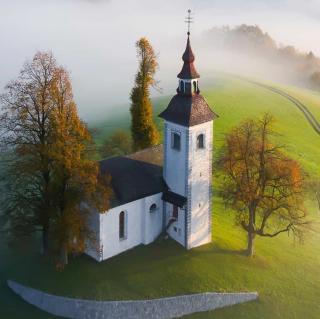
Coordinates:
143 129
261 183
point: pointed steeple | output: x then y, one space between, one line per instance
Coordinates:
188 71
188 107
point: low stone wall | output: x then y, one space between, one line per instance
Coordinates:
163 308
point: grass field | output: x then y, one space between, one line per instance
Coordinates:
285 273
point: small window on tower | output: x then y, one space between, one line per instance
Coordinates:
181 86
200 141
175 141
194 86
188 88
122 226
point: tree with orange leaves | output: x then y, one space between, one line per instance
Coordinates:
50 173
77 184
262 184
26 139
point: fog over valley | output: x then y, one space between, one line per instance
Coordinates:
94 40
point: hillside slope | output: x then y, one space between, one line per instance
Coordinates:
286 274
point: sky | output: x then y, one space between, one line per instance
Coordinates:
94 39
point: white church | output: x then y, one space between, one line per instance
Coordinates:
167 188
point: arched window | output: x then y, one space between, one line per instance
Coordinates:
122 225
200 141
153 208
195 86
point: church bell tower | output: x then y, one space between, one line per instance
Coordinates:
188 135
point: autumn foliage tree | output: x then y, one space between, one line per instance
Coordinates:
76 178
143 130
263 185
26 133
50 172
117 144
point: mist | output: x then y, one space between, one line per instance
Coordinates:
94 40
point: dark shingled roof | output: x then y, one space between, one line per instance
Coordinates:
188 70
188 110
174 198
134 177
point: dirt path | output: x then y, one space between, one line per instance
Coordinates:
303 108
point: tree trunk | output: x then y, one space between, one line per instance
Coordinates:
250 249
64 257
318 199
251 234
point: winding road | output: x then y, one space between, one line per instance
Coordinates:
303 108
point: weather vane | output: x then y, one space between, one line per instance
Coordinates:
188 21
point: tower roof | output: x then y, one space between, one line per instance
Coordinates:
188 110
188 70
188 107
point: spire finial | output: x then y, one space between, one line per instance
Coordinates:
188 21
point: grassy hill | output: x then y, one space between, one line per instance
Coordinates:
285 273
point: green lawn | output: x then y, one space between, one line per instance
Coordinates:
285 273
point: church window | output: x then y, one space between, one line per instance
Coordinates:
194 86
200 141
153 208
175 141
188 87
122 225
182 86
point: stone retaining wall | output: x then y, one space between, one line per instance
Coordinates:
163 308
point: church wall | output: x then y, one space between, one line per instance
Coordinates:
152 220
175 171
175 174
199 180
188 173
141 226
177 229
93 247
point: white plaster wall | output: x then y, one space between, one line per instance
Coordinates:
142 227
153 221
200 161
175 160
177 229
196 164
93 247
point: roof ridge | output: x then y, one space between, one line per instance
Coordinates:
154 147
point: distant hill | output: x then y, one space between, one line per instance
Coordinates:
251 40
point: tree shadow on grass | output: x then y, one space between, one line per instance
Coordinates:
225 251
